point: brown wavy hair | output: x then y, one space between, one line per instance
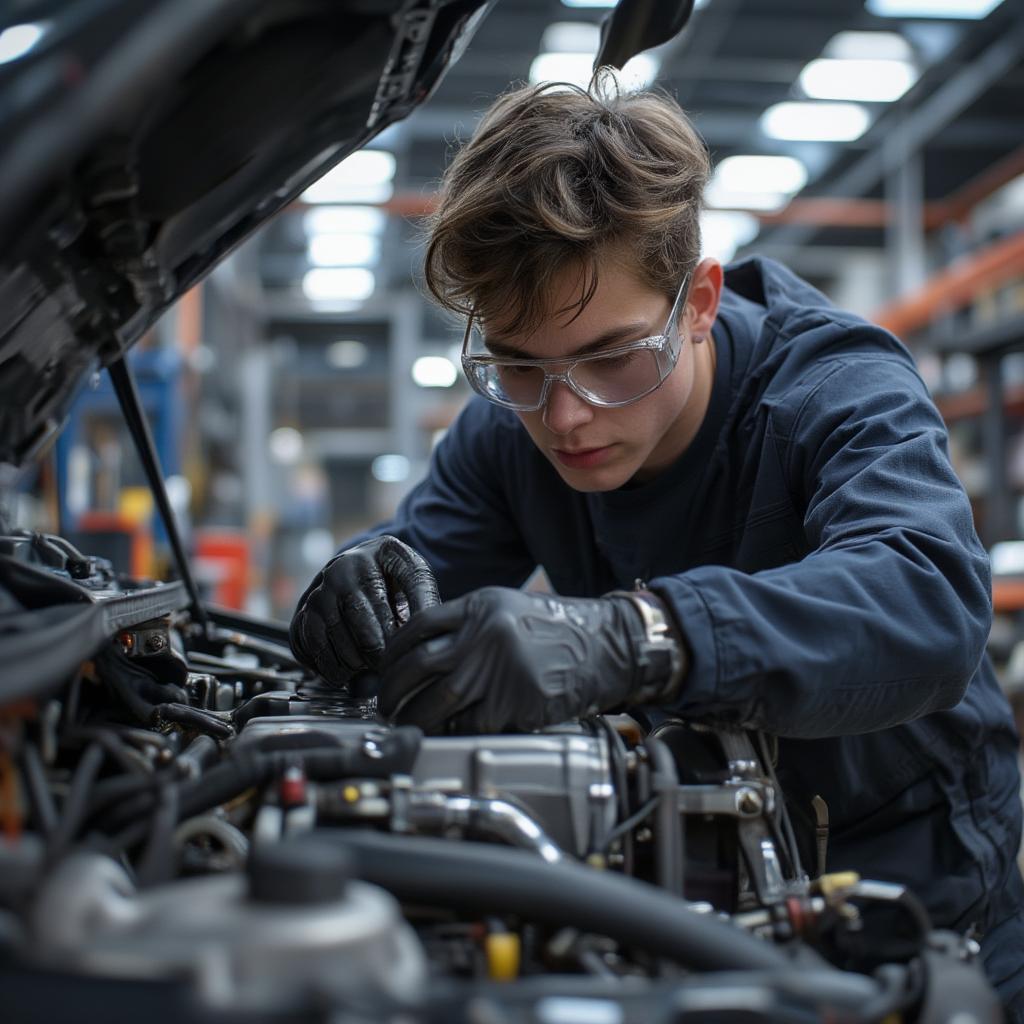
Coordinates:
556 176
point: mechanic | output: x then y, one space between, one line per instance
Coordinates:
772 467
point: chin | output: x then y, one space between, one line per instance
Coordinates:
590 481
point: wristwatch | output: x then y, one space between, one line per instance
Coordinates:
661 654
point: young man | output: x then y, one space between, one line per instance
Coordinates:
773 468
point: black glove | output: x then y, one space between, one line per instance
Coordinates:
355 603
506 660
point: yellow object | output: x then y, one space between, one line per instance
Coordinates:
350 794
502 949
827 885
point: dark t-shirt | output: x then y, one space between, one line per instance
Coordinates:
820 557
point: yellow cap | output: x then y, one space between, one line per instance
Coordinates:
836 882
502 950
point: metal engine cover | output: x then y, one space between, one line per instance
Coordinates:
238 951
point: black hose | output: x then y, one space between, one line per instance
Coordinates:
197 719
130 760
157 862
482 879
197 756
394 753
43 810
121 790
77 802
668 829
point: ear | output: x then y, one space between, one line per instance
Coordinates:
702 301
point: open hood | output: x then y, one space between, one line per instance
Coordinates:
143 139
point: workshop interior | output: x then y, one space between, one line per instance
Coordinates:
218 362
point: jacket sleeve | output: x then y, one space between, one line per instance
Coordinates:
886 618
458 517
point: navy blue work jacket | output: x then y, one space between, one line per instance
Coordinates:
820 557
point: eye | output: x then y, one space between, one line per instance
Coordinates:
618 362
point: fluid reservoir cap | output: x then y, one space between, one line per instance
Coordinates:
298 871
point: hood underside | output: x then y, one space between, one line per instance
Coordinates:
146 139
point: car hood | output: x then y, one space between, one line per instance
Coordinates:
144 139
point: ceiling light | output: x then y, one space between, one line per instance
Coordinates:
17 40
611 3
285 445
347 354
815 122
343 250
876 81
722 232
755 182
869 46
571 37
324 284
363 177
327 220
434 372
578 69
972 9
390 469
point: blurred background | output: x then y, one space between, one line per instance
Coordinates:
876 148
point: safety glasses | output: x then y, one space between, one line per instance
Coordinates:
610 378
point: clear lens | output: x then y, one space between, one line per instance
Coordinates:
520 385
617 379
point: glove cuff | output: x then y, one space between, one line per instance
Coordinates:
659 653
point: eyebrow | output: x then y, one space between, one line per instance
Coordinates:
621 333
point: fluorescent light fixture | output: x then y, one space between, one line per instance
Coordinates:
872 81
973 10
571 37
329 220
578 68
363 177
343 250
18 40
347 354
390 469
285 445
868 46
324 284
724 231
434 372
815 122
755 182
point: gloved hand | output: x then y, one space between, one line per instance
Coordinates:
355 603
508 660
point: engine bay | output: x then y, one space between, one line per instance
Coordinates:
194 826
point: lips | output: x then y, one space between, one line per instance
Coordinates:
583 458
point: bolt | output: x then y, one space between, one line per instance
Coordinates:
748 801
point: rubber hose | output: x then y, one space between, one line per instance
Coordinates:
76 804
668 837
395 754
482 879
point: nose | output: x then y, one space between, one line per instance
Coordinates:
564 410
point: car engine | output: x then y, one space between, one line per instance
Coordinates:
194 828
